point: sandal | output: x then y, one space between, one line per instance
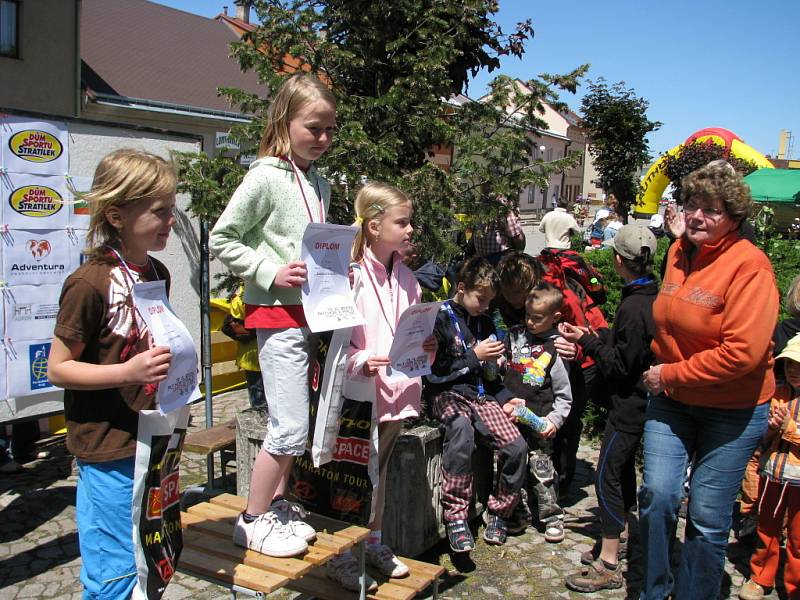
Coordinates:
595 577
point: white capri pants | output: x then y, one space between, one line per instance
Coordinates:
284 357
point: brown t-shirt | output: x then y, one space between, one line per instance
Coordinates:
96 308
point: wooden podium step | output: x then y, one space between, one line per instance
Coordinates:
209 552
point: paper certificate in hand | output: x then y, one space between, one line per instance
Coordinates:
327 299
407 357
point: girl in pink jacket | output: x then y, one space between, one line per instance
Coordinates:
384 288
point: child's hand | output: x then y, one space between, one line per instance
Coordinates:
550 431
566 349
430 345
374 363
509 406
489 350
150 366
777 416
570 332
290 276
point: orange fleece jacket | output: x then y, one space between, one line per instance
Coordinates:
714 321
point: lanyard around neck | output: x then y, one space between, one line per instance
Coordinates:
454 320
127 270
303 193
396 299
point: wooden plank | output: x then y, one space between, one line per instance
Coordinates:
199 522
292 568
317 584
215 513
318 522
429 570
229 571
223 528
211 440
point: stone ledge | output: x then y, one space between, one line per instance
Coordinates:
413 518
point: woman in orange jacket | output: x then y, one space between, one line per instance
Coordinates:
714 317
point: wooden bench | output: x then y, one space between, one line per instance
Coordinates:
209 552
220 438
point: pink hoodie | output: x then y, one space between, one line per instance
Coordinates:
381 299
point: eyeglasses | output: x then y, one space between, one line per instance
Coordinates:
708 211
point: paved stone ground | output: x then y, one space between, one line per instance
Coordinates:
39 550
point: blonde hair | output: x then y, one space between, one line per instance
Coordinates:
122 179
295 92
372 201
792 300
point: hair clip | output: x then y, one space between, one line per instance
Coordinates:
378 207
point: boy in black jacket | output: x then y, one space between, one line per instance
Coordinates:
622 360
468 395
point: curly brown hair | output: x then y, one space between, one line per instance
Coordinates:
719 180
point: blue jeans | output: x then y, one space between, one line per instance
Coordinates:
720 442
105 529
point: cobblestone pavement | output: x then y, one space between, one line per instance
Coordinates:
39 549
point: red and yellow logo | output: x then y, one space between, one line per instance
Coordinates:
35 145
36 201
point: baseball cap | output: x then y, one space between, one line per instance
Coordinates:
601 214
656 221
630 240
792 350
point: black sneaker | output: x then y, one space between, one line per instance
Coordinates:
496 530
519 520
459 536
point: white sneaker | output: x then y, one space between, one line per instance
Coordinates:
291 515
344 571
267 535
381 557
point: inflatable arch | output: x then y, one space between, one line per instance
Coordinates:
656 181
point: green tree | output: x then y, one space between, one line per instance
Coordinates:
692 157
617 125
393 67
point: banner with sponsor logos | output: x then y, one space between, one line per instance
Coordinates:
26 367
31 311
42 230
39 147
35 201
38 257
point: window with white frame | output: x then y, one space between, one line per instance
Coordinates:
9 28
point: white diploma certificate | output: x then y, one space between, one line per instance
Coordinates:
407 357
327 298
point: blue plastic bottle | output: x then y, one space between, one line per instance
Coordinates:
527 417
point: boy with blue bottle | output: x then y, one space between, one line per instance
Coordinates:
538 377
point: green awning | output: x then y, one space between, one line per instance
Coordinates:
775 185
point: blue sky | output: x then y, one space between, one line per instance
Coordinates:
700 63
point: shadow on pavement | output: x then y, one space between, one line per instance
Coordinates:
38 560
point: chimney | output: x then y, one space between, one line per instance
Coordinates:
225 10
243 10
